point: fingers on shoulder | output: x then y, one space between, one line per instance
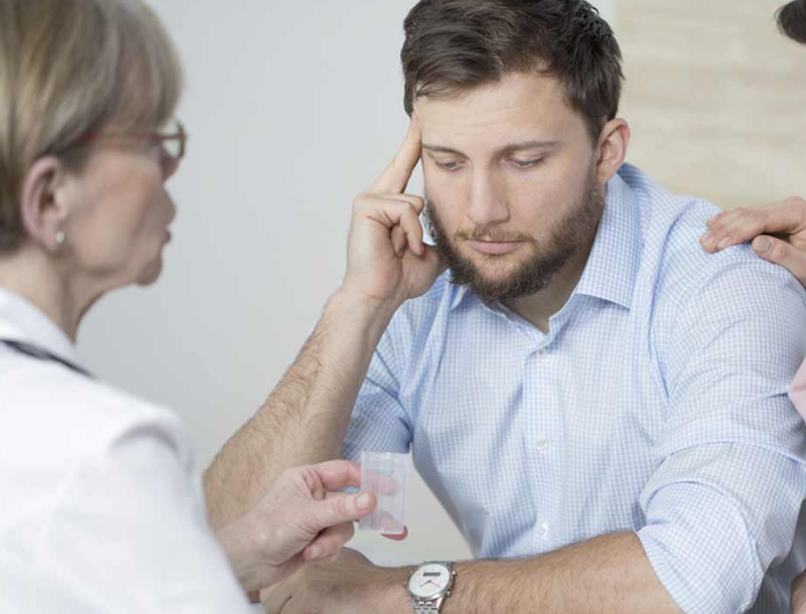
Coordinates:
781 252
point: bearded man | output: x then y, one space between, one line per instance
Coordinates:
600 405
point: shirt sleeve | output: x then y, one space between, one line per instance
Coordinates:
379 422
723 503
129 534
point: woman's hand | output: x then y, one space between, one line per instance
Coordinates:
302 518
787 219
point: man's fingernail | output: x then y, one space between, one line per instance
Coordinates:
762 245
364 501
708 239
315 552
723 243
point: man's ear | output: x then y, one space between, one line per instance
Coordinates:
42 205
613 143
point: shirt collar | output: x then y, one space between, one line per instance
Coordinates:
613 263
616 255
459 293
20 320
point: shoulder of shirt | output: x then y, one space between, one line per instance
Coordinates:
422 311
416 322
74 413
672 226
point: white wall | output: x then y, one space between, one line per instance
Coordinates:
293 108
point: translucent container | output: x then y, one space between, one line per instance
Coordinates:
386 475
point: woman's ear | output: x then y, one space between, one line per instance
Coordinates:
43 207
613 143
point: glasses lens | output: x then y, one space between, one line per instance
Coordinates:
173 145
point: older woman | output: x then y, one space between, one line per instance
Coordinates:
100 505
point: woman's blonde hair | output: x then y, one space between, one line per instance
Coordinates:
73 67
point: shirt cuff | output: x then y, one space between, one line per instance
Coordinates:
704 560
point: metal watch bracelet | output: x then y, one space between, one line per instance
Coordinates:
426 607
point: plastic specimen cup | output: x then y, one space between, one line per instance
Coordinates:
386 475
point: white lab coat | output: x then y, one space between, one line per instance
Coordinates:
101 507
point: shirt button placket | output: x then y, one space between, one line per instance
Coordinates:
541 445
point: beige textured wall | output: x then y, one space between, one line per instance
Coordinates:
716 98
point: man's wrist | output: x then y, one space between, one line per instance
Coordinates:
237 548
394 595
361 309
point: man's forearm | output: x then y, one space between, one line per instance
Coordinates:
306 417
609 574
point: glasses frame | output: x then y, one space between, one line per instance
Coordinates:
181 136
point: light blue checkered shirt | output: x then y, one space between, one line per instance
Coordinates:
656 404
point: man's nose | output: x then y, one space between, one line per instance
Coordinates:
487 205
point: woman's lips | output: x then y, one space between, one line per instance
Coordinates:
495 248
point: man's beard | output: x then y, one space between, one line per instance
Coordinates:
575 231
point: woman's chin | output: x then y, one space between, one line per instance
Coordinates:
151 273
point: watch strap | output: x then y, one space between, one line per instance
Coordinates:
427 607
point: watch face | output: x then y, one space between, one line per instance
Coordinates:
429 581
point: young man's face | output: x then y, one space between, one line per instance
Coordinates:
510 183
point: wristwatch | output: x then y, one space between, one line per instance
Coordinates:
429 585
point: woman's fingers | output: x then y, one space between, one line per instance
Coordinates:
329 542
731 228
734 229
781 252
338 474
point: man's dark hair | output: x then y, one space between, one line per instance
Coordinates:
792 20
455 46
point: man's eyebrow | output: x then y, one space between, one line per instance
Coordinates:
512 148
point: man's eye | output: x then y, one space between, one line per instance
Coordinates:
448 166
524 164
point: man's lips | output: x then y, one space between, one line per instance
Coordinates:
495 248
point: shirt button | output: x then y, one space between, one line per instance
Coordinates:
542 353
544 530
542 444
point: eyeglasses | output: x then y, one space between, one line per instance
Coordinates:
171 137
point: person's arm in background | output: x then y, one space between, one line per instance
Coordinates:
305 419
778 234
799 594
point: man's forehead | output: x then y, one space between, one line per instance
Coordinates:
516 109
